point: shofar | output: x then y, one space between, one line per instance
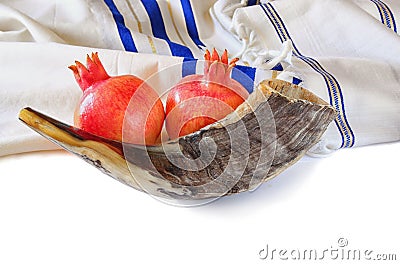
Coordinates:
265 135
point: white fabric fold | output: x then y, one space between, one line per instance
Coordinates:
44 82
16 26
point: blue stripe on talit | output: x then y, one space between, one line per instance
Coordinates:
245 75
386 15
191 23
296 81
335 94
252 2
277 67
189 66
158 29
124 33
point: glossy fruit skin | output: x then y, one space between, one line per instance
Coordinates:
106 100
199 100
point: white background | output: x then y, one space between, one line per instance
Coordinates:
56 209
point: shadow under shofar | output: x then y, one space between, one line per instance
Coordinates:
265 135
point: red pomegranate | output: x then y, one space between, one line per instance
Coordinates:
105 101
199 100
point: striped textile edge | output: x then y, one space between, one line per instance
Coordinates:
386 15
334 89
159 31
191 23
124 33
157 25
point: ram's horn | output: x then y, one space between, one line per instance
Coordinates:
265 135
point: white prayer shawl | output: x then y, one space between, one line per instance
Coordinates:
346 52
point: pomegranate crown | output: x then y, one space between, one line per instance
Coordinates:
218 68
87 75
